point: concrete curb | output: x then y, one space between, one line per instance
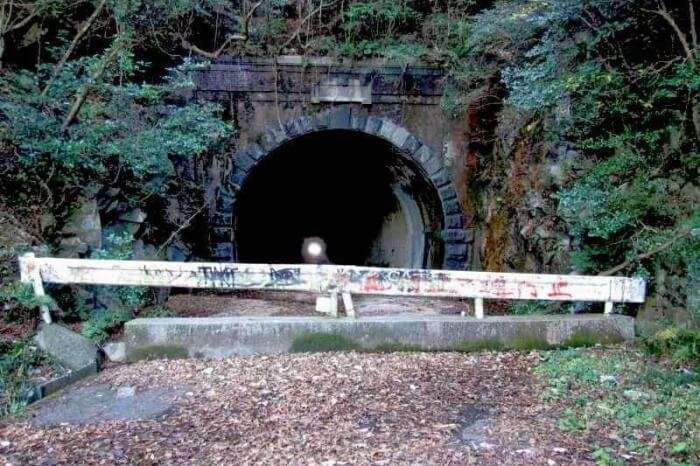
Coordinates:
52 386
218 337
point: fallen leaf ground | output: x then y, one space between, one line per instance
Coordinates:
324 408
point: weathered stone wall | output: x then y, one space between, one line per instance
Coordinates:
271 101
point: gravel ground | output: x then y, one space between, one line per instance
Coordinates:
325 409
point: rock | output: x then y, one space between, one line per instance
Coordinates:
72 247
132 220
611 379
71 349
115 351
85 224
126 392
82 232
144 251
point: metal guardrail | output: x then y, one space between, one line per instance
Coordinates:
331 281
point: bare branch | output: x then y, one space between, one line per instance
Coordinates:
79 35
185 224
693 30
663 12
205 53
23 22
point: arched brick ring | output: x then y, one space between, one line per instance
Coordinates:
342 118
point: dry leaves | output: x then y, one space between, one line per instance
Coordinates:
323 409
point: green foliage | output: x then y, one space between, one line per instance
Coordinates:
652 409
157 311
17 361
681 345
125 134
120 247
20 302
525 308
104 321
379 18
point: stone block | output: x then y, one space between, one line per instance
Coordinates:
451 207
387 130
373 125
340 118
237 178
454 264
221 219
115 351
441 178
454 250
411 144
422 154
254 151
244 161
454 236
358 121
223 251
71 349
432 165
221 235
453 221
399 137
225 200
447 193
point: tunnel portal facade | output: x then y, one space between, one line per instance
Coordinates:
361 156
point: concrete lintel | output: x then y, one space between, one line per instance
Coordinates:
217 337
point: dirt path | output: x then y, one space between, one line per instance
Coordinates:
339 408
262 303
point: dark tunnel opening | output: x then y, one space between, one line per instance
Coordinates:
371 205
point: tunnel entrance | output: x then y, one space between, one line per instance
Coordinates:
369 203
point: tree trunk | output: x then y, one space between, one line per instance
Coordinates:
2 48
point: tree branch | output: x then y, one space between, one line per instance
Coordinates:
66 55
82 95
23 22
693 31
683 233
205 53
184 225
663 12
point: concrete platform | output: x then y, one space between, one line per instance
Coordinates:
217 337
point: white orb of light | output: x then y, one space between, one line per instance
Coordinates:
314 248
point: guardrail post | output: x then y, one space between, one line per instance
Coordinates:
328 304
608 307
348 305
479 308
31 272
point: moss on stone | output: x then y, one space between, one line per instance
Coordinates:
584 338
529 343
394 347
157 352
315 342
480 345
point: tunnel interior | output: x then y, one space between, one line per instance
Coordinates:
369 203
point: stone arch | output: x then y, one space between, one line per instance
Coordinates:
453 234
